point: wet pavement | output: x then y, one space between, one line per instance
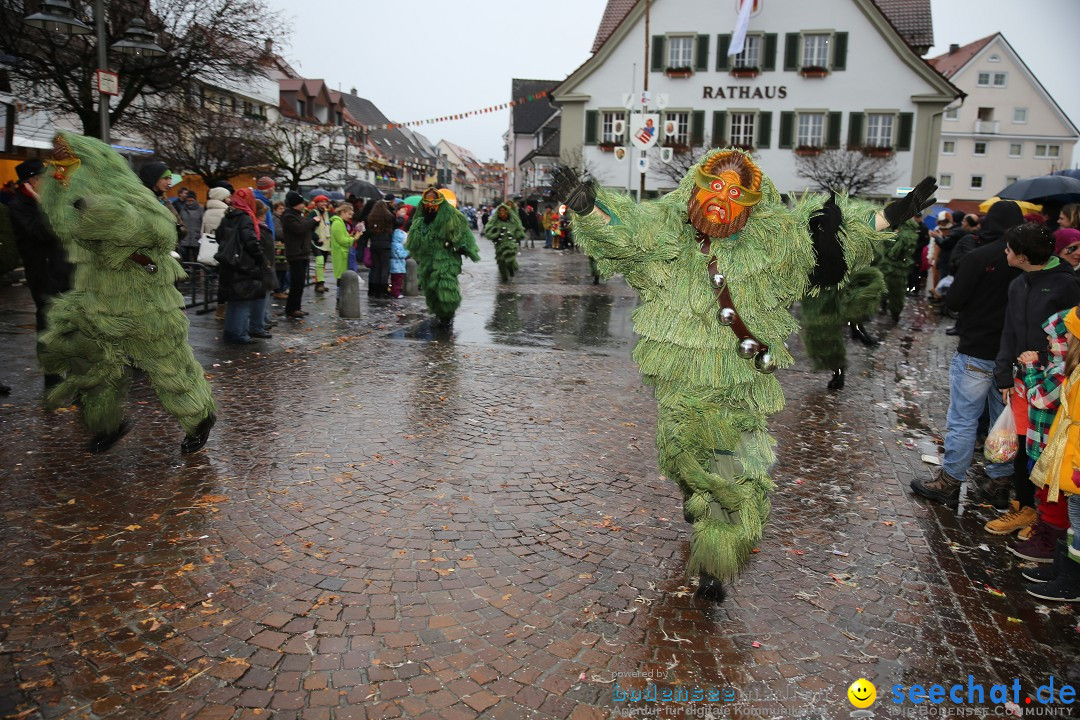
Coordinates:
395 520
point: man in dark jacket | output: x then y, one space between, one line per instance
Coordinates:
298 231
45 263
157 177
980 293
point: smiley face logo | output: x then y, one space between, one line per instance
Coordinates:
862 693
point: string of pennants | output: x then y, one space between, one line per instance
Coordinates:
461 116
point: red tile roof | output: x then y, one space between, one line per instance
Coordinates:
951 62
911 18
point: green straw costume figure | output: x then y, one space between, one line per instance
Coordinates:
437 239
716 263
123 310
506 231
895 260
826 317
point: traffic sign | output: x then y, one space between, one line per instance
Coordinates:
108 82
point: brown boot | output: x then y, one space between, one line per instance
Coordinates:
942 488
1013 519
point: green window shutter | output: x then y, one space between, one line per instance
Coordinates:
791 51
787 130
855 130
764 133
719 139
723 42
591 117
701 62
697 128
768 60
839 60
659 62
832 139
907 124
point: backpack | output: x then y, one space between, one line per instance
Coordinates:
231 252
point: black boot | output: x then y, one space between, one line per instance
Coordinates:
837 382
4 389
1063 588
710 588
195 441
104 441
1046 573
860 334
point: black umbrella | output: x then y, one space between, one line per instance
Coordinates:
362 189
1073 173
1044 189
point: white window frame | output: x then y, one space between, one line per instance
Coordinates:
682 126
607 122
944 147
804 46
1046 154
747 130
874 136
1019 153
1010 179
1004 76
809 124
994 58
952 113
975 148
750 57
1021 111
669 48
979 82
945 180
982 182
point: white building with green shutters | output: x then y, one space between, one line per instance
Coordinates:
812 76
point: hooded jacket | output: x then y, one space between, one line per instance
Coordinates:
215 209
1033 297
981 288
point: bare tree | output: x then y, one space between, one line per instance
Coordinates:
206 39
300 151
682 160
574 158
207 141
855 171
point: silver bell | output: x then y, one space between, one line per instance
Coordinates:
765 363
727 316
718 281
748 348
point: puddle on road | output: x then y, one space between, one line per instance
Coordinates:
595 322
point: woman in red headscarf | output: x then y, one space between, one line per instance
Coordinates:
240 267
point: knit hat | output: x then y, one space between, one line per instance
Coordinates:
153 171
29 168
944 216
1064 237
293 198
320 198
389 199
1072 322
265 183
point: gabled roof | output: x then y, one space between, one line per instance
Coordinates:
365 111
529 116
911 18
950 63
465 155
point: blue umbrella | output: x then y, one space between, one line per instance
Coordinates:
1074 173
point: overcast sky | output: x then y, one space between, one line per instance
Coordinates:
462 55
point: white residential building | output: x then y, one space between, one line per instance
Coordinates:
1008 127
807 80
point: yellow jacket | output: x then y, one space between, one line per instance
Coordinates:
1059 465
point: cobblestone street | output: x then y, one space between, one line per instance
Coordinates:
392 520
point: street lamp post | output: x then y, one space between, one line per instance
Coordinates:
58 16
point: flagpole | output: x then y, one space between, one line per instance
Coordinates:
645 88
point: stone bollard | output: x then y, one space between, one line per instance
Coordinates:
412 282
349 295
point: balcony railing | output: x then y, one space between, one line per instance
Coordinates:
987 127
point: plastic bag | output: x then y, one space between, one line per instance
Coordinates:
1001 443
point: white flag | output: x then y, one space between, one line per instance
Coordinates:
738 35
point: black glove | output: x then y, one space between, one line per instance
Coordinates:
920 197
579 195
826 225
